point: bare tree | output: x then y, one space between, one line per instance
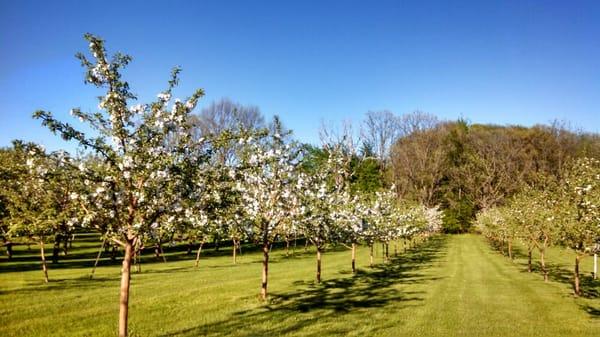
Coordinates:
343 136
225 115
418 164
379 131
416 121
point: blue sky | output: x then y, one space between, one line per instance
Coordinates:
503 62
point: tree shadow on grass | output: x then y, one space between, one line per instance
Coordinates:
80 284
310 308
590 288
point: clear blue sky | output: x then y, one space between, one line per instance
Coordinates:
516 62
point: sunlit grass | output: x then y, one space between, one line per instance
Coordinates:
451 286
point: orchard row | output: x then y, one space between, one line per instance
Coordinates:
146 175
563 211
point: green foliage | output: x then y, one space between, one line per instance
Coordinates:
368 177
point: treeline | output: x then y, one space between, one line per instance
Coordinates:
466 168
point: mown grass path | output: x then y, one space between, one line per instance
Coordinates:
485 294
450 286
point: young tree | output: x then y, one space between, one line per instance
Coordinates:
380 130
580 211
350 212
145 157
39 195
268 170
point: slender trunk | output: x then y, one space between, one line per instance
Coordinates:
157 250
305 245
43 255
387 252
138 257
217 239
287 247
595 266
198 254
9 251
577 289
295 243
138 260
234 252
66 244
354 258
56 248
97 258
162 253
543 264
404 245
124 291
510 252
529 269
113 254
265 271
318 264
371 256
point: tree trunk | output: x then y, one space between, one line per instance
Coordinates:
371 256
295 243
9 251
217 239
287 247
124 292
198 254
138 259
66 244
318 264
43 255
576 283
305 245
396 247
354 258
387 252
510 252
543 264
158 252
190 248
529 269
595 266
97 258
113 254
404 244
234 251
265 271
56 248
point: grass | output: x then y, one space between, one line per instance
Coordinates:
450 286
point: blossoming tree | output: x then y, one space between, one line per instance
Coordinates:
268 173
141 180
37 195
580 211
